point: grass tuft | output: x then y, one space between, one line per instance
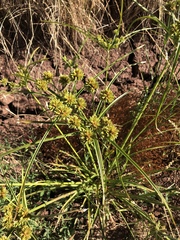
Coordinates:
91 168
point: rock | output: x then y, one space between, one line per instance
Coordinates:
6 98
20 103
4 111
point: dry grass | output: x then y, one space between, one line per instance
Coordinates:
60 25
47 24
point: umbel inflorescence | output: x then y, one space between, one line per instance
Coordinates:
67 106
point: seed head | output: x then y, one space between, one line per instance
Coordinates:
26 233
42 84
64 80
109 130
7 220
95 121
77 74
48 76
91 84
70 98
4 81
3 192
87 135
81 104
107 95
74 121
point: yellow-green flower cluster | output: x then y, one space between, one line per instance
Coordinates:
109 130
3 192
24 75
48 76
107 95
77 74
26 233
89 131
172 6
91 84
16 218
64 79
4 238
43 83
110 43
74 122
67 105
87 135
4 81
81 104
103 129
7 220
69 108
175 31
69 63
95 121
103 42
70 98
59 108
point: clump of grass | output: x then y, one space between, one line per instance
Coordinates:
95 179
69 108
92 182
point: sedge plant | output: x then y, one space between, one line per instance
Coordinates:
89 180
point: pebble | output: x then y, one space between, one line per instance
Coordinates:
6 98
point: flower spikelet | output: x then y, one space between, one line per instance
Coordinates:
109 130
77 74
42 84
64 79
87 135
48 76
7 220
74 122
26 233
70 98
91 84
3 192
95 121
81 104
107 95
